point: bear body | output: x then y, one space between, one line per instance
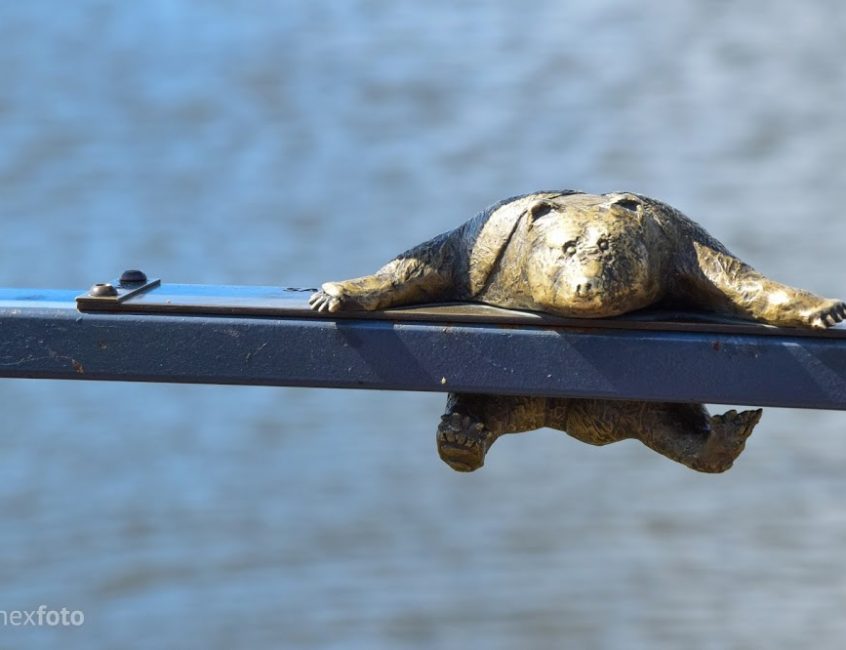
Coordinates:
587 256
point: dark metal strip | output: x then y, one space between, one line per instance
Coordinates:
293 303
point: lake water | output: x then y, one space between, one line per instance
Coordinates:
297 142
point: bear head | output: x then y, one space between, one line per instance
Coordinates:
592 256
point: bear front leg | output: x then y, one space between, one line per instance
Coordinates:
425 273
359 294
472 423
685 433
724 283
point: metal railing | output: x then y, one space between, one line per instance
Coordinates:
139 330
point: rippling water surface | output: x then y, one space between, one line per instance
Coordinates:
296 142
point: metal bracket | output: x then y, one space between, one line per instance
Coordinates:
107 295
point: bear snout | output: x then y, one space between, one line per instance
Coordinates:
588 289
584 290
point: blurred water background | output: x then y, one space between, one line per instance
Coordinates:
294 142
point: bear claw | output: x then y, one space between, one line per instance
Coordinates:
727 440
462 442
323 300
830 313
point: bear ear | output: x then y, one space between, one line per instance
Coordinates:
539 209
630 202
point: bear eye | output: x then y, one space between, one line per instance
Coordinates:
570 248
628 204
603 244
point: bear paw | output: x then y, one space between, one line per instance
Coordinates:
827 313
727 439
331 297
462 442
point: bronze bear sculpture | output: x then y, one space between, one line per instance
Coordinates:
584 255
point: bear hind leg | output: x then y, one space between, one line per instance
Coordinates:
472 423
685 433
688 434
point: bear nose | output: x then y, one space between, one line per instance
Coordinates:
584 289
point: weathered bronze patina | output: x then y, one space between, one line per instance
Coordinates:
591 256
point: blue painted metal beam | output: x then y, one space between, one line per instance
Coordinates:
43 335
